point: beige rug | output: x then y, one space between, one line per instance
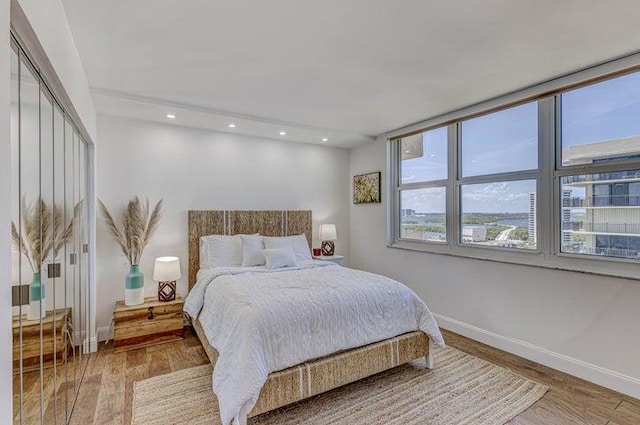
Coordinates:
461 389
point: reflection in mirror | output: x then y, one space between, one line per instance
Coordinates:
19 291
28 241
48 233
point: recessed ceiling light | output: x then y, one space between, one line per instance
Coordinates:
407 151
171 116
432 155
232 126
283 133
324 139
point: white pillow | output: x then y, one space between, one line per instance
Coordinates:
280 257
220 251
298 243
252 247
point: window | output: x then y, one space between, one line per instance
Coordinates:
423 214
600 129
422 190
501 214
601 214
497 213
501 142
424 156
552 182
600 122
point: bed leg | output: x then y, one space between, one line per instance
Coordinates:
429 357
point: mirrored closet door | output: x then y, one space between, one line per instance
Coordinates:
50 260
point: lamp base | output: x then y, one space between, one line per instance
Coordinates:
166 291
328 248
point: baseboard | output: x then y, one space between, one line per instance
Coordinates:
90 345
598 375
104 333
78 338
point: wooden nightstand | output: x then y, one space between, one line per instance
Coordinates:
338 259
153 322
31 339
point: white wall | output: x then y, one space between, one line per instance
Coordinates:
198 169
583 324
6 370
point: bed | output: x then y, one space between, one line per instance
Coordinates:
311 375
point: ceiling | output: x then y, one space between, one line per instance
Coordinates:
346 70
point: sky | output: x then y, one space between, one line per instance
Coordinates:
507 141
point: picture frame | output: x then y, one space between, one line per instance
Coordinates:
366 188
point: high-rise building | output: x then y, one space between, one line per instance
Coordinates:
566 216
407 212
532 219
601 213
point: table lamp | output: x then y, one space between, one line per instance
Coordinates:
166 271
328 234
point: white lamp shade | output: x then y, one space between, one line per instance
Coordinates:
167 269
328 232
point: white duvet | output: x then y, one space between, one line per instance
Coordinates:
262 321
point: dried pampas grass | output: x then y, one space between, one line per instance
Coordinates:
43 232
137 228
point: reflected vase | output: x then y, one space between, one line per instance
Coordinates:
134 286
37 306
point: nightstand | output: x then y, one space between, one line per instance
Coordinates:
150 323
338 259
34 333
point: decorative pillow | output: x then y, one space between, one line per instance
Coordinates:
221 251
277 258
252 247
297 243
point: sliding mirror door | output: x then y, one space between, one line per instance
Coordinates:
50 263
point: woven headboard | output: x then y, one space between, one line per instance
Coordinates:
267 223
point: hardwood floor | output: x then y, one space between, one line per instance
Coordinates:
107 389
108 385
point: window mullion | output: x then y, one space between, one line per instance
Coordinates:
502 177
393 205
547 211
422 185
453 189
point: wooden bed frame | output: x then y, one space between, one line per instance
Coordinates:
315 376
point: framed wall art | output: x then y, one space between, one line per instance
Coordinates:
366 188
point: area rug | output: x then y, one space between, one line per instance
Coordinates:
461 389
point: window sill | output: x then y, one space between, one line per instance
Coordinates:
611 267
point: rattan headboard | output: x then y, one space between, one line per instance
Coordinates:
267 223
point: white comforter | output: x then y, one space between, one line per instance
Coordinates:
262 321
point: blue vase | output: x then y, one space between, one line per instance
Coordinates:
36 290
134 286
135 278
37 309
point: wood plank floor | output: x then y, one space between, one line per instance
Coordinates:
107 389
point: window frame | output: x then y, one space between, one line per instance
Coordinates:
548 176
421 185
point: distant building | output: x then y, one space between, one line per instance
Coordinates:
533 238
407 212
607 204
474 233
566 216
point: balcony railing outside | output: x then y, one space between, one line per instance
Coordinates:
595 178
602 201
608 252
581 226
